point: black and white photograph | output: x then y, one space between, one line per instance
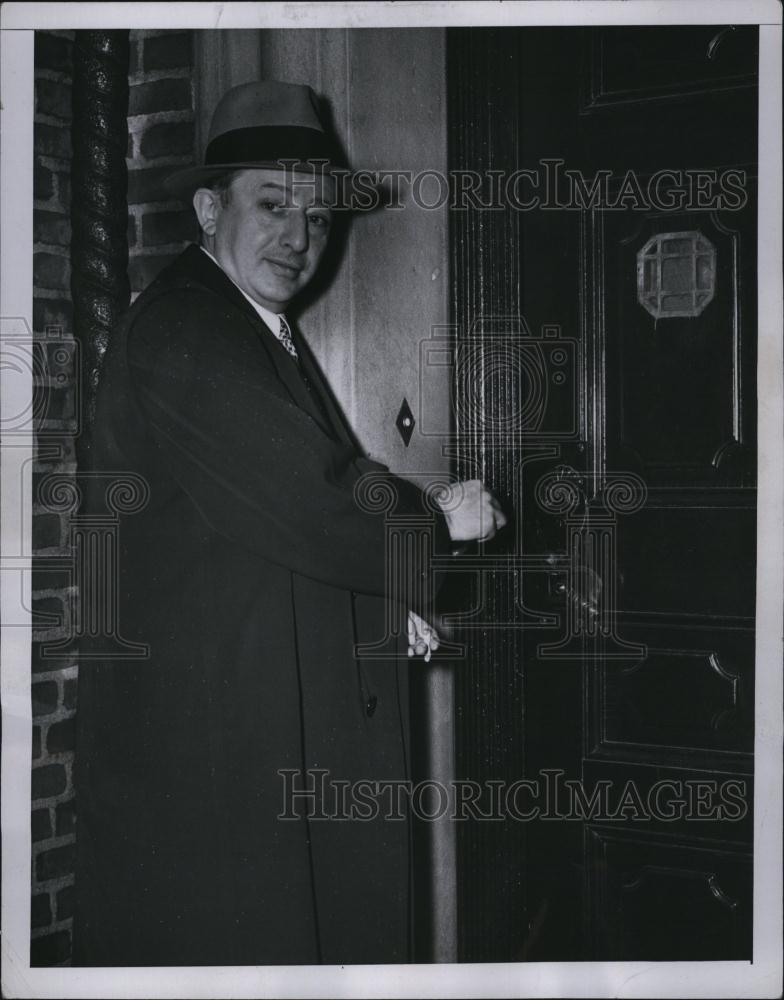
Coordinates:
392 553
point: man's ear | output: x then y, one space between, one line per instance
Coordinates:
207 206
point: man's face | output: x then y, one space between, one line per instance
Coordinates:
271 234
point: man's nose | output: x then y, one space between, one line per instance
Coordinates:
295 232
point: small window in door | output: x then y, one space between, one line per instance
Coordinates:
676 274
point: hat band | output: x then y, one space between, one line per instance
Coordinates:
269 142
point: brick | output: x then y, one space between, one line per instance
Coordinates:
160 228
48 780
48 612
51 949
55 863
36 742
161 95
43 182
43 580
40 910
40 825
168 139
69 694
132 230
53 661
64 903
60 446
61 736
57 405
58 577
46 531
169 51
65 818
147 185
53 97
52 140
50 270
144 269
58 356
53 51
52 312
44 698
51 227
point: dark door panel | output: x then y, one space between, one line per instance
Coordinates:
680 300
661 899
617 643
662 556
677 701
668 63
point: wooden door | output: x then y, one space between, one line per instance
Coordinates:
612 636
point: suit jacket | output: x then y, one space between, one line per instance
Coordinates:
250 574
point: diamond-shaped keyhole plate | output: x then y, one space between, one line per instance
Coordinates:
405 422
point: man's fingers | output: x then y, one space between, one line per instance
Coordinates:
422 637
489 524
492 518
498 514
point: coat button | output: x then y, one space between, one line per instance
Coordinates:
371 705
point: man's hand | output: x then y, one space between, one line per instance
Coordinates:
422 638
472 513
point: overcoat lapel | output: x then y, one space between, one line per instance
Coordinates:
316 378
206 272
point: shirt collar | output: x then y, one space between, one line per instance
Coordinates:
271 319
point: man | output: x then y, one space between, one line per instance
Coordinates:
252 573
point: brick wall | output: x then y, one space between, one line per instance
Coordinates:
54 681
160 138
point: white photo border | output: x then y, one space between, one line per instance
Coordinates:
760 978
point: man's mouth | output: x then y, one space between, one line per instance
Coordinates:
283 268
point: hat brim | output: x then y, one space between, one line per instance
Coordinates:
184 183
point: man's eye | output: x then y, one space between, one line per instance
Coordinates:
270 206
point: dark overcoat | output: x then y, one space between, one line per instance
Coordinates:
250 573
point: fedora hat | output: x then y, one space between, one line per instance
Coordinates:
261 124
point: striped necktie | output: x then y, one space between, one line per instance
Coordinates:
288 342
284 336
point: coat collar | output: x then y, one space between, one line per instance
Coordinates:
196 266
316 378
